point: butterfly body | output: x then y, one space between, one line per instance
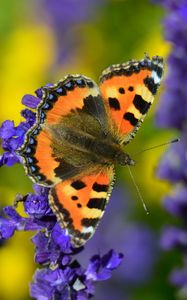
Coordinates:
88 145
80 133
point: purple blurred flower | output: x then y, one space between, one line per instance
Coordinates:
64 16
174 237
173 113
176 203
173 166
179 277
173 106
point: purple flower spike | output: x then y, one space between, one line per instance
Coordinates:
73 281
13 137
173 114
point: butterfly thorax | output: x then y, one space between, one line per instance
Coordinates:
82 141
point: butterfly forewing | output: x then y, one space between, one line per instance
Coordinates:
128 91
73 94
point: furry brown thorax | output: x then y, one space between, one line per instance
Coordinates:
82 141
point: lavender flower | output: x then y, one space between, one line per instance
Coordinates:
173 113
61 275
61 16
173 108
13 136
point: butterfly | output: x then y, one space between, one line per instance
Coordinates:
79 135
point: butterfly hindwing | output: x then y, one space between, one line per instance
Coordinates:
79 203
128 91
37 154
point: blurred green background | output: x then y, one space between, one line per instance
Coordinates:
31 55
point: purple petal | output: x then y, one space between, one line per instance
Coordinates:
12 214
61 238
112 260
29 116
9 159
41 190
30 101
7 129
39 93
36 206
7 229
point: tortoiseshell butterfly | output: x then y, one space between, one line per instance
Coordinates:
79 134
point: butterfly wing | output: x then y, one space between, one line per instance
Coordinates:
128 91
79 204
74 93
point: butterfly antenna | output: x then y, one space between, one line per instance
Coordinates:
160 145
138 191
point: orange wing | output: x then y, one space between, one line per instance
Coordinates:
128 91
79 204
74 93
